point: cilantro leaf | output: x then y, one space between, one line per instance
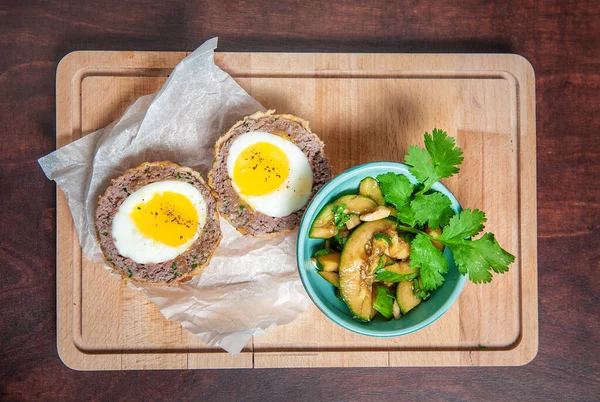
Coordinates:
432 209
422 168
498 258
478 257
406 215
382 274
381 263
430 260
438 160
445 155
340 217
383 236
406 236
324 251
397 190
467 223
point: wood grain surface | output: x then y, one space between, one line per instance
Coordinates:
365 107
560 38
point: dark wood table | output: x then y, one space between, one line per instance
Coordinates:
560 38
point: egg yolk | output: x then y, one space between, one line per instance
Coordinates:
260 169
169 218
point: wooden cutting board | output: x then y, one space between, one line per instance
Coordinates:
366 107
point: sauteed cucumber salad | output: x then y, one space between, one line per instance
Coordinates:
383 246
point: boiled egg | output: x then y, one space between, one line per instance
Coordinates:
270 173
159 221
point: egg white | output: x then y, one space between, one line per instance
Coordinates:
133 244
293 193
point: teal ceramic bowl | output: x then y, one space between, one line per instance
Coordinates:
322 293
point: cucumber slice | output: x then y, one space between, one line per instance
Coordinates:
356 277
331 277
370 188
397 272
405 297
383 301
323 226
392 245
329 262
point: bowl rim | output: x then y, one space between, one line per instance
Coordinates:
396 167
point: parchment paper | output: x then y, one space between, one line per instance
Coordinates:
250 284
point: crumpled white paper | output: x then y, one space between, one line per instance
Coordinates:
250 284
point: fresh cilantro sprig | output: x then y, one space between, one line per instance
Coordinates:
475 258
419 207
438 160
